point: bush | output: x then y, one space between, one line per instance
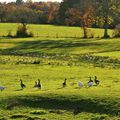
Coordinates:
116 33
22 31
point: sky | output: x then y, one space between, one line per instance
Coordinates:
32 0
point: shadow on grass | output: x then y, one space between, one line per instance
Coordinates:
84 105
19 90
40 46
60 88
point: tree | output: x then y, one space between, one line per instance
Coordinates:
3 12
21 14
29 1
66 4
108 11
85 18
19 2
77 12
53 12
63 8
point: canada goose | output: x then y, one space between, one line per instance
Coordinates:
96 81
90 79
64 83
90 83
2 88
39 84
22 85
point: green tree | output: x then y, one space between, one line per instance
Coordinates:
19 2
3 13
108 10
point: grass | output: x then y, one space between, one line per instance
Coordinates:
51 31
52 60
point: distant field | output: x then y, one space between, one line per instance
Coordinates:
51 30
52 59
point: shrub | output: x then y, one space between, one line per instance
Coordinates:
22 31
116 33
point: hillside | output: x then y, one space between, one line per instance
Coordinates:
52 59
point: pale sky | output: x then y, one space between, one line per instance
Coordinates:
32 0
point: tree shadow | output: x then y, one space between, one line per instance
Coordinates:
84 105
42 46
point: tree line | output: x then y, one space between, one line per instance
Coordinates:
29 12
85 13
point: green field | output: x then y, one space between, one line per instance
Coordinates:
56 53
51 30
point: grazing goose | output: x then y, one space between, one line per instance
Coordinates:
2 88
96 81
90 83
80 84
22 85
39 84
64 83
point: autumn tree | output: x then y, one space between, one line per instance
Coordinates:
85 18
53 12
66 4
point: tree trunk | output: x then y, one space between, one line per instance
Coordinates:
106 14
84 31
106 28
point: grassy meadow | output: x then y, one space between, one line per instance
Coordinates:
51 30
53 54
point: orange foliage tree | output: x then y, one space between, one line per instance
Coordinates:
85 18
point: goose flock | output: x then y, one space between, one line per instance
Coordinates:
64 84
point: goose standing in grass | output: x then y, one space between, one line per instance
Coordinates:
80 84
22 85
90 83
39 84
64 83
2 88
96 81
